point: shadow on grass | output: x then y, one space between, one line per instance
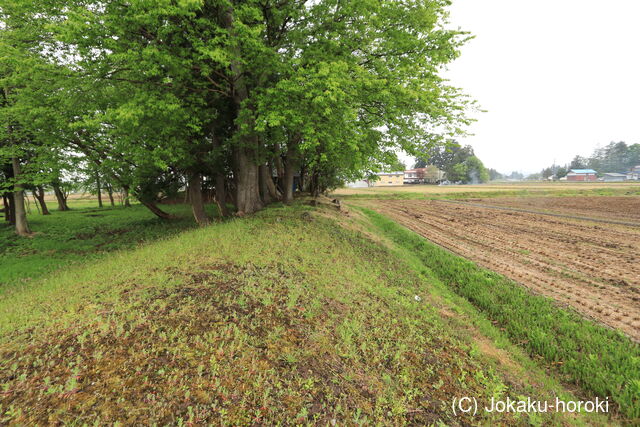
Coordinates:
81 235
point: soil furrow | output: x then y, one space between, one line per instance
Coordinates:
589 266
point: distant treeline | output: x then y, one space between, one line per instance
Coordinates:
614 157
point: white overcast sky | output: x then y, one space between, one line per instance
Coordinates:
557 77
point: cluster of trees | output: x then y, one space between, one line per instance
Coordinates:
459 163
614 157
514 175
83 176
241 97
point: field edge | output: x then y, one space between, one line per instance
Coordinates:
531 322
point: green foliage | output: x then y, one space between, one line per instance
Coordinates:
476 172
459 163
140 90
469 171
396 166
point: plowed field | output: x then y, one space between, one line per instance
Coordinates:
593 267
622 208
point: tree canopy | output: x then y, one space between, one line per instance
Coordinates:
248 98
459 163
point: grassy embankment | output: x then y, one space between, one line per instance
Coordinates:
79 235
599 360
290 316
488 190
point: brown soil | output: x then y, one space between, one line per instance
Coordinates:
592 267
624 208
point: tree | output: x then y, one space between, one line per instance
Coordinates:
22 226
534 177
578 162
476 173
633 158
516 175
159 95
614 157
395 167
495 175
444 156
459 163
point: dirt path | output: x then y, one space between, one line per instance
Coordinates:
593 267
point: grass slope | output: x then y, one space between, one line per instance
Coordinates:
285 317
79 235
600 360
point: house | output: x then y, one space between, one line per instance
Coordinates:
634 174
582 175
427 175
614 177
363 183
413 176
388 178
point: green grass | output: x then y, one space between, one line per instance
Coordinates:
80 235
600 360
285 317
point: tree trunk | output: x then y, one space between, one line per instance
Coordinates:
7 200
278 163
110 193
290 166
62 199
157 211
221 190
302 180
231 193
12 209
22 226
314 184
35 198
247 183
99 191
195 196
265 178
127 202
279 166
39 194
221 195
271 185
245 159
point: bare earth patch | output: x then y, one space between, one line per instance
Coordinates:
624 208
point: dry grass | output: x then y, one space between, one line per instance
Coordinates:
505 188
